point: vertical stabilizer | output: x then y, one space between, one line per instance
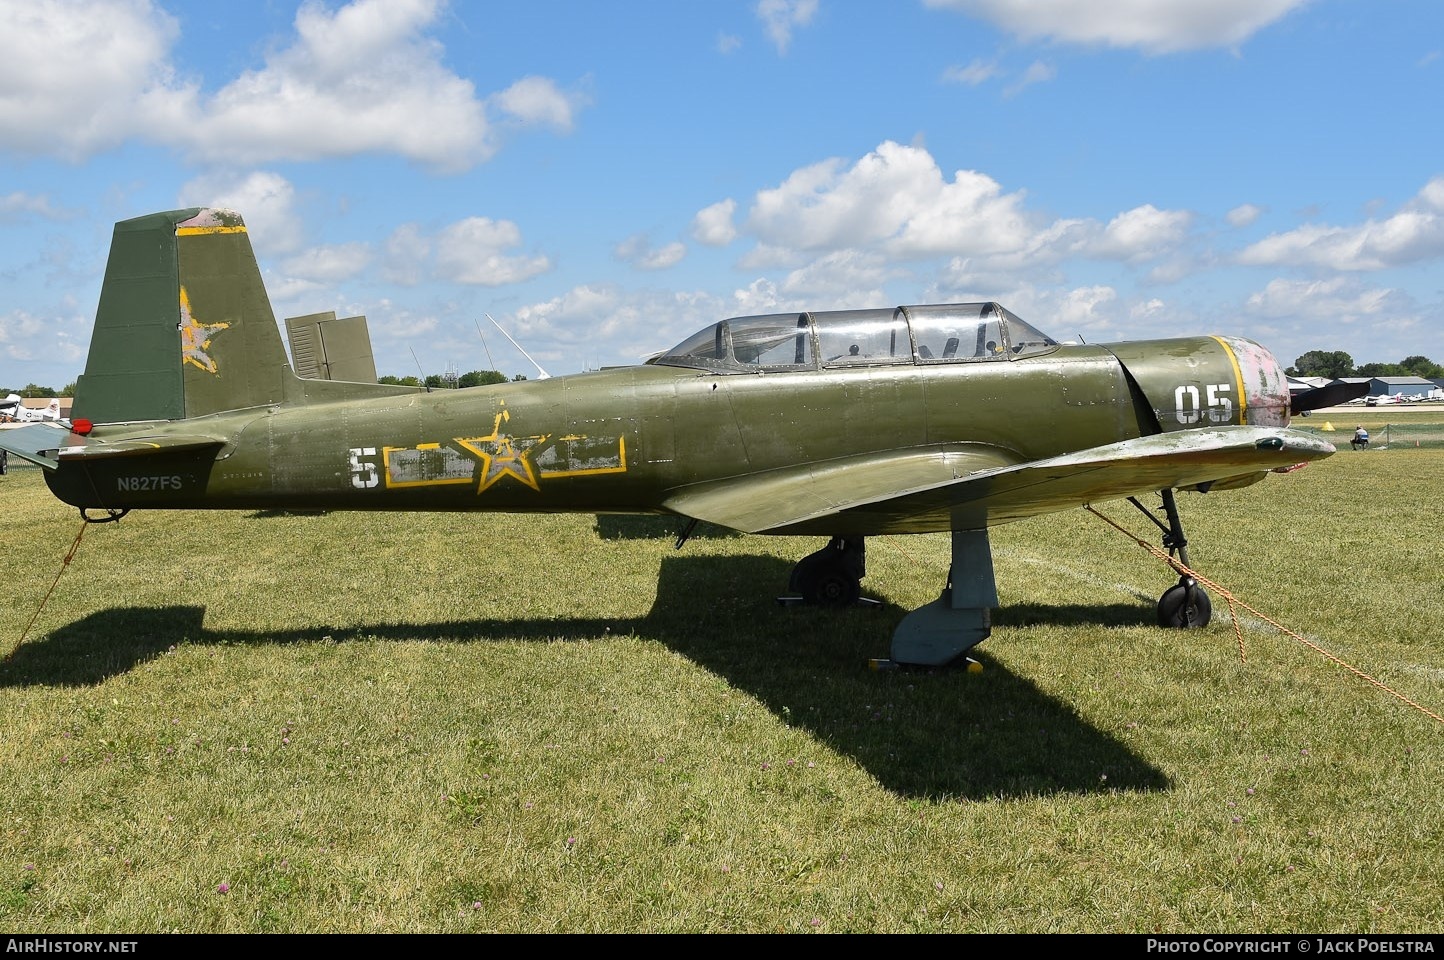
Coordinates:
184 327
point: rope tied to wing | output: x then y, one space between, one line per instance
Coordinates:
1233 604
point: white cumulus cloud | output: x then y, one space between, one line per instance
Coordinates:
1037 72
472 251
843 279
603 317
360 79
265 200
1244 214
973 74
897 201
1415 233
80 76
639 252
18 206
895 195
406 253
713 225
1155 26
780 17
1141 233
329 263
539 100
1336 298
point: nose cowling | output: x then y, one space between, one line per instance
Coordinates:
1263 385
1205 382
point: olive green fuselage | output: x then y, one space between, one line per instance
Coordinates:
620 440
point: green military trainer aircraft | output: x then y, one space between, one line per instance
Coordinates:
841 424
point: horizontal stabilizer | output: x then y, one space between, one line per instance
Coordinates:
36 442
134 446
48 445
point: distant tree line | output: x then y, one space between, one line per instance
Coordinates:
437 381
1336 363
35 390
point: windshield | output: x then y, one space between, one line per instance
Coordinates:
933 333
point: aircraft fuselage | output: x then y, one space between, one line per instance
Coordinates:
619 440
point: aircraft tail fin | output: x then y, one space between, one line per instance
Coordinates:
184 327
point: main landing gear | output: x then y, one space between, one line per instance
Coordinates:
937 634
940 633
832 576
1184 605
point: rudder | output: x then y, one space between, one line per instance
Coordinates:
184 327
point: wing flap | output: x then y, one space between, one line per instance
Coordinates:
923 493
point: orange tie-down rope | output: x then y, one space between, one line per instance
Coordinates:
1235 602
68 557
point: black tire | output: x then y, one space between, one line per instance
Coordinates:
831 588
1175 610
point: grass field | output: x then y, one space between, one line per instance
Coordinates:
236 722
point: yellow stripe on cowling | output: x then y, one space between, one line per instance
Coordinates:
198 231
1237 379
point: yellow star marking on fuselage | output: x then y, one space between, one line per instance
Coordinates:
503 455
196 336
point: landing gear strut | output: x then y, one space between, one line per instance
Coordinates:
1185 605
937 634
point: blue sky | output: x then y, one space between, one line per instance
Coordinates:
604 178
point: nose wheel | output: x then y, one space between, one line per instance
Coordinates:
1185 605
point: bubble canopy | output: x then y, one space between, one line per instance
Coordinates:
933 333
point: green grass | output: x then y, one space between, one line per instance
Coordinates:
443 723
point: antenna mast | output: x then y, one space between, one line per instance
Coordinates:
484 344
543 374
424 384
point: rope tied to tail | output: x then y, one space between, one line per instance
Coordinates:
69 556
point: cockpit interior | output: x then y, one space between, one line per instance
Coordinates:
934 333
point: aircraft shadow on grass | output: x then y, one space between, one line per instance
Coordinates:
928 734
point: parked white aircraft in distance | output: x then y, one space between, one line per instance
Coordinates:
12 409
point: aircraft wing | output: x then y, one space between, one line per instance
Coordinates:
763 502
49 444
967 488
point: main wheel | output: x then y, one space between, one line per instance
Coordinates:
831 588
1175 609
